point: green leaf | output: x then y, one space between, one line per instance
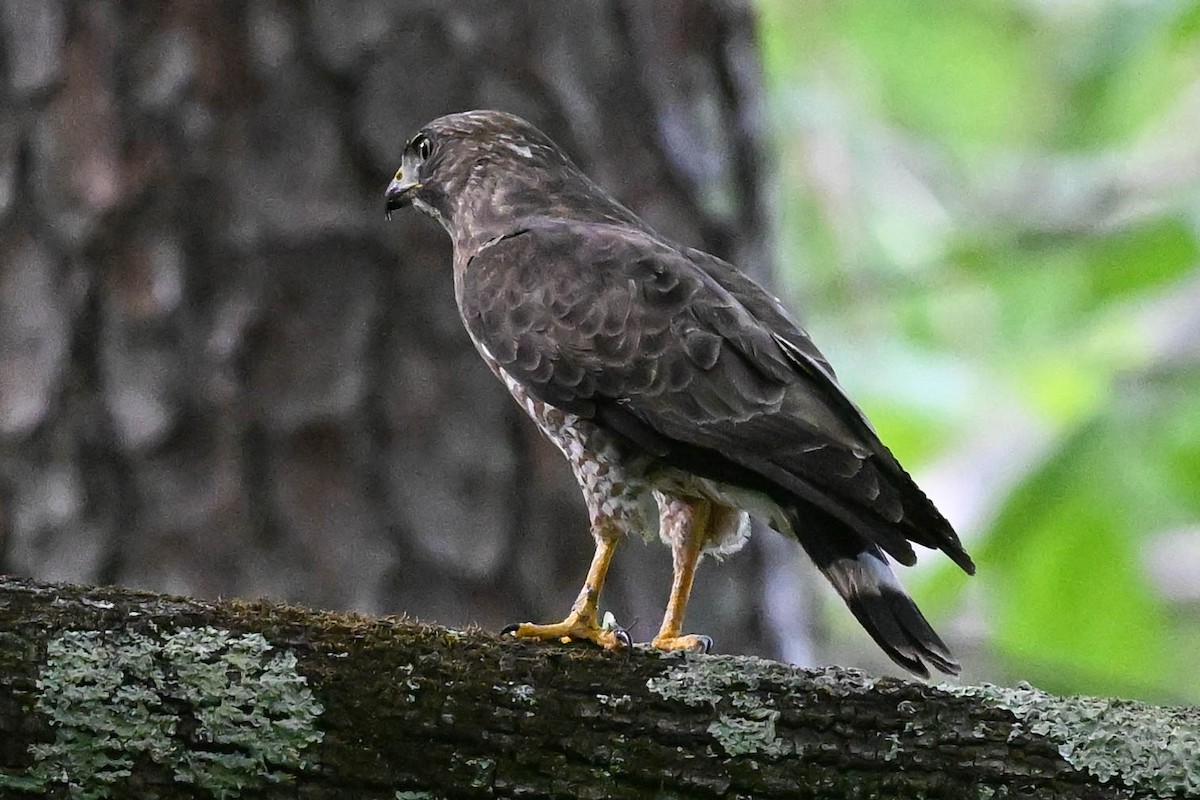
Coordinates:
963 71
1143 257
1129 66
1171 456
1045 284
1071 602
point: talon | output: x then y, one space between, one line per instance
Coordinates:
623 637
507 629
572 629
706 643
582 624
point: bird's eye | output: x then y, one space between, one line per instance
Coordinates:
422 146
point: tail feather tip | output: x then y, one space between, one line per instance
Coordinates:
876 598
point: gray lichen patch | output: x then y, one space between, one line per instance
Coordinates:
1155 749
519 693
744 723
699 680
752 733
618 702
223 712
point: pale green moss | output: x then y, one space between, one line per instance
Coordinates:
752 733
746 723
21 782
1144 747
113 697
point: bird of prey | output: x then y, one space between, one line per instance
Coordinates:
675 386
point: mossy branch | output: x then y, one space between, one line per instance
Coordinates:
114 693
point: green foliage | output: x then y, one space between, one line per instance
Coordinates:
988 47
1066 543
991 221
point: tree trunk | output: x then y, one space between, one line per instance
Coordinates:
111 693
222 373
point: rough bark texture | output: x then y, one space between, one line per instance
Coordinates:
221 373
133 695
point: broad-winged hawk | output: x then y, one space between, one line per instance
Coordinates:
668 379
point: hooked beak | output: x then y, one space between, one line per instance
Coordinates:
398 193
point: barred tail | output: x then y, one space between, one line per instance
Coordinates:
860 573
881 605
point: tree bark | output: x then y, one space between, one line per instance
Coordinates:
214 352
113 693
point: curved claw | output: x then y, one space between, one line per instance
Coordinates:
706 643
507 629
623 637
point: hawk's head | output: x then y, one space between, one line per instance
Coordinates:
478 172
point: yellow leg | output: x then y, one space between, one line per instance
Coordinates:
582 623
690 521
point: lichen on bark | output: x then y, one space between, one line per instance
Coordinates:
1122 741
222 712
416 710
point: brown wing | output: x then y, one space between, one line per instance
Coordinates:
694 363
766 308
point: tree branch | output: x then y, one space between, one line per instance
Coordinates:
114 693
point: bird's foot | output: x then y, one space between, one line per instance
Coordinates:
574 628
692 642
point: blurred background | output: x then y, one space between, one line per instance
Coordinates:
223 374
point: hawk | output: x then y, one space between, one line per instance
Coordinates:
683 394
